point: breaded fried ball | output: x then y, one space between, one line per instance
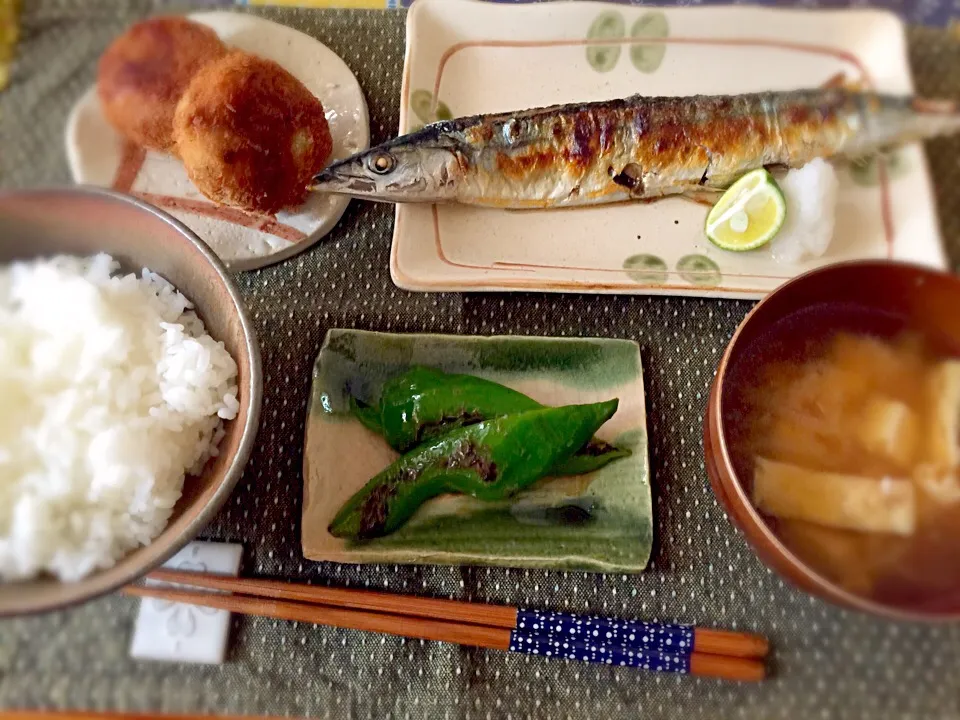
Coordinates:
250 134
143 73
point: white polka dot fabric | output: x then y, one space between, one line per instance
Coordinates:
827 663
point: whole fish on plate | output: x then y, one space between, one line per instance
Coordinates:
632 149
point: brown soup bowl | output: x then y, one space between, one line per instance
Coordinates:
86 221
924 301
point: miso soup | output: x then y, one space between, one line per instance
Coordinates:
845 428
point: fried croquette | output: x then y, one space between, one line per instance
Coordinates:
250 134
143 73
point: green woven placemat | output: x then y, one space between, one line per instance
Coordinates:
828 663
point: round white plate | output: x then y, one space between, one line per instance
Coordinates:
98 155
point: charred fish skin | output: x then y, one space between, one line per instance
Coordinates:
642 148
635 148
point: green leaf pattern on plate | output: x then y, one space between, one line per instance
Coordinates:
645 268
699 270
608 24
865 171
421 102
443 112
647 57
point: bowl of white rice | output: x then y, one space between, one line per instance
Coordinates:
130 385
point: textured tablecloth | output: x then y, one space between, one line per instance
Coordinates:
828 663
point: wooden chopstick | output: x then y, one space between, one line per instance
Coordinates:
404 625
704 640
719 666
473 613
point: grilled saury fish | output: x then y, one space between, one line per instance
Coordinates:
637 148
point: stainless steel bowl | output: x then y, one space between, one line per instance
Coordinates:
84 221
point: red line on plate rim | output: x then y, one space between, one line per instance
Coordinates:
263 223
132 159
810 48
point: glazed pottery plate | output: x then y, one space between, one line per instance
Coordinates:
465 57
599 522
98 155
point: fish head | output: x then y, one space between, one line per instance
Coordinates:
413 168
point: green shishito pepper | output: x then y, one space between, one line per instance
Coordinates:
490 460
424 403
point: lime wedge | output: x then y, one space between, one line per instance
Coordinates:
748 214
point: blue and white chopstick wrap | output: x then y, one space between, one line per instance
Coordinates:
662 637
633 643
596 652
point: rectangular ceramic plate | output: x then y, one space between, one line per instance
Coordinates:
477 57
529 530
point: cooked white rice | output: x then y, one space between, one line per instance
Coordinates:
111 389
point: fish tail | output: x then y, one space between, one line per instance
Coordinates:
886 121
933 118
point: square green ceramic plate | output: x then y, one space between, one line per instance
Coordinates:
598 522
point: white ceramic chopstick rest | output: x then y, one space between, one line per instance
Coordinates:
178 632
